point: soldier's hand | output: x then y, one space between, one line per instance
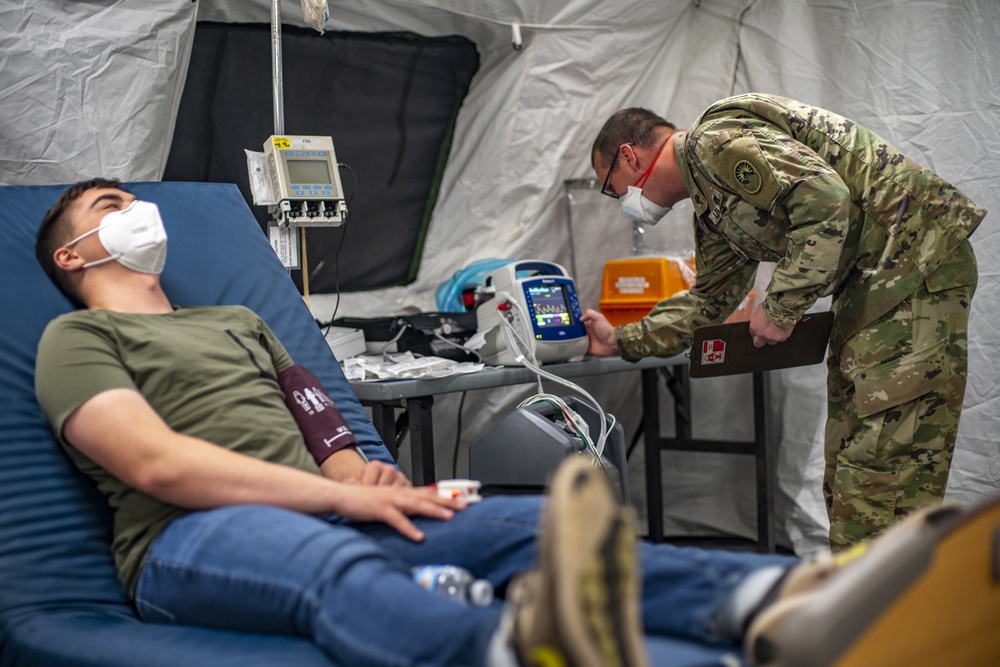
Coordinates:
766 332
602 340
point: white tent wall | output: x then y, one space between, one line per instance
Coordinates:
87 89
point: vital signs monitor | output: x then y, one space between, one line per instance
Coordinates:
534 313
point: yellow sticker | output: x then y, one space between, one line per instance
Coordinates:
747 176
282 142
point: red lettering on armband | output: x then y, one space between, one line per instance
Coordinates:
323 427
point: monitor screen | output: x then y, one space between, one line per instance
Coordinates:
308 171
550 306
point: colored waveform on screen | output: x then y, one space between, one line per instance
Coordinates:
552 319
549 306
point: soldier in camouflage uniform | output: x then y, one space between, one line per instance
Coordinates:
841 212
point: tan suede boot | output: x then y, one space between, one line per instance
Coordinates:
581 607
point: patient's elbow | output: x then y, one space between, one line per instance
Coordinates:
158 479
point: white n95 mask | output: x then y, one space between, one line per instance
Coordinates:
134 237
638 208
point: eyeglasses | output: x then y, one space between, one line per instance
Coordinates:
605 190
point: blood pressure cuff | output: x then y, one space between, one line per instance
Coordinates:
323 427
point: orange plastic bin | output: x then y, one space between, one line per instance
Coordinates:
631 287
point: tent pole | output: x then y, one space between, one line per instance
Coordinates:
279 102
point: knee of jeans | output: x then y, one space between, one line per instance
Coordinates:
150 613
524 509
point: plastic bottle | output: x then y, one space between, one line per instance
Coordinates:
454 582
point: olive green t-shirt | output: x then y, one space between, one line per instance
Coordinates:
208 372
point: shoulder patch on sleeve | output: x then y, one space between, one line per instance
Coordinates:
747 175
743 166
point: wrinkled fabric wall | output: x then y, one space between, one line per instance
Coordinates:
90 89
87 89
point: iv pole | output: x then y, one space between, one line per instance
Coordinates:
276 76
277 84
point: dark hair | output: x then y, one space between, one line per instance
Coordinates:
54 233
634 125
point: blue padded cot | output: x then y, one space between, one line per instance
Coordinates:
60 601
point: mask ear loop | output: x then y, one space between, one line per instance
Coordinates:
96 262
81 237
95 230
641 183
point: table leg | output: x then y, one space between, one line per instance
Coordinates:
421 439
384 421
651 436
765 463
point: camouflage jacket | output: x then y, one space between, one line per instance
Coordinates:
837 208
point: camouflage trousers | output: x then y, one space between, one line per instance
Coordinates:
895 392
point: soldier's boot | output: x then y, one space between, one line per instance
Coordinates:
581 607
924 594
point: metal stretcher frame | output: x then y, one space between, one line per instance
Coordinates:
414 399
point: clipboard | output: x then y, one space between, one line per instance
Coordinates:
727 349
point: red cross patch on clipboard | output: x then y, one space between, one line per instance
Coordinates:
713 351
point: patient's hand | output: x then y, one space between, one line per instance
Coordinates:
345 466
348 467
376 473
394 506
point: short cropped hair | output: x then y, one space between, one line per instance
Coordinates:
634 125
54 233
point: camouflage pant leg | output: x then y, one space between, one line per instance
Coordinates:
895 395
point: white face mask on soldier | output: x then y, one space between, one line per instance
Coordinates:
134 237
638 208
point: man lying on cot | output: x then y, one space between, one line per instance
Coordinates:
228 514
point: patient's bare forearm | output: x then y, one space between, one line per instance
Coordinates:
121 432
252 481
204 476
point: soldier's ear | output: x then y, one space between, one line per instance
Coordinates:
627 156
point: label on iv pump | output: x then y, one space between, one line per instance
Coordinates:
296 142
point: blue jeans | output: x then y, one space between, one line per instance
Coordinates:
347 585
